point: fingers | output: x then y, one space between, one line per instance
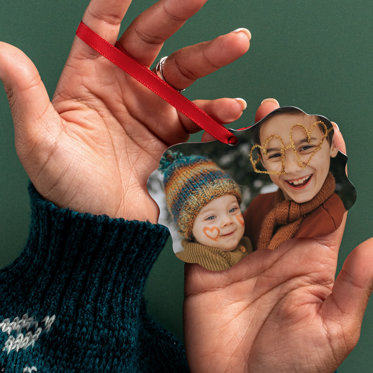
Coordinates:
183 67
266 106
352 289
223 110
338 139
104 17
145 36
28 98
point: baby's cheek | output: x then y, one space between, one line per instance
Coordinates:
211 232
240 220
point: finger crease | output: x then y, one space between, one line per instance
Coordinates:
213 65
110 19
186 73
173 16
148 38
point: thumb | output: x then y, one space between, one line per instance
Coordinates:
28 99
352 290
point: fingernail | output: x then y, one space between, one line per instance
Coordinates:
242 102
244 30
270 100
336 126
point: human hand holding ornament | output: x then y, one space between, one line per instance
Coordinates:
94 146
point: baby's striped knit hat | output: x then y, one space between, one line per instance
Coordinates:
191 182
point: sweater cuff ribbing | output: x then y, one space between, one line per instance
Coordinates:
82 262
73 300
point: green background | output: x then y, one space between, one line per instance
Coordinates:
315 54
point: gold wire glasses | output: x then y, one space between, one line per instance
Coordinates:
273 151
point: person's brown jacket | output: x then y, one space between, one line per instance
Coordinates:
323 220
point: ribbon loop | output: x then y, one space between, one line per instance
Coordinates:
150 80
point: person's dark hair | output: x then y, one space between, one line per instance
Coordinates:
292 110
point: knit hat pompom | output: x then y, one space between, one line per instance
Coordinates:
191 182
168 158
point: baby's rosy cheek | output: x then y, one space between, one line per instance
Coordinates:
239 219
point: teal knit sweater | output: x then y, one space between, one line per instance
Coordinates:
73 300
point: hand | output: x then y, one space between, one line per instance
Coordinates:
94 146
278 311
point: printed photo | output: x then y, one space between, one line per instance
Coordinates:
283 179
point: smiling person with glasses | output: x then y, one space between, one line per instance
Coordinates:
295 150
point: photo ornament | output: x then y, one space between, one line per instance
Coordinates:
284 178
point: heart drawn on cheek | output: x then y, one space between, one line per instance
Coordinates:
212 233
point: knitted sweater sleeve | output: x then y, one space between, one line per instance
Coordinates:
73 300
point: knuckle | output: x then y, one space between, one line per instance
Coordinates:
149 38
186 73
209 61
172 16
182 10
111 19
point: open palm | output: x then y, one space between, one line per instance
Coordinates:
278 311
94 146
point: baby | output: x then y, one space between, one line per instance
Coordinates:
295 150
204 202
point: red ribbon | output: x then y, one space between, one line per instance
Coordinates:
150 80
